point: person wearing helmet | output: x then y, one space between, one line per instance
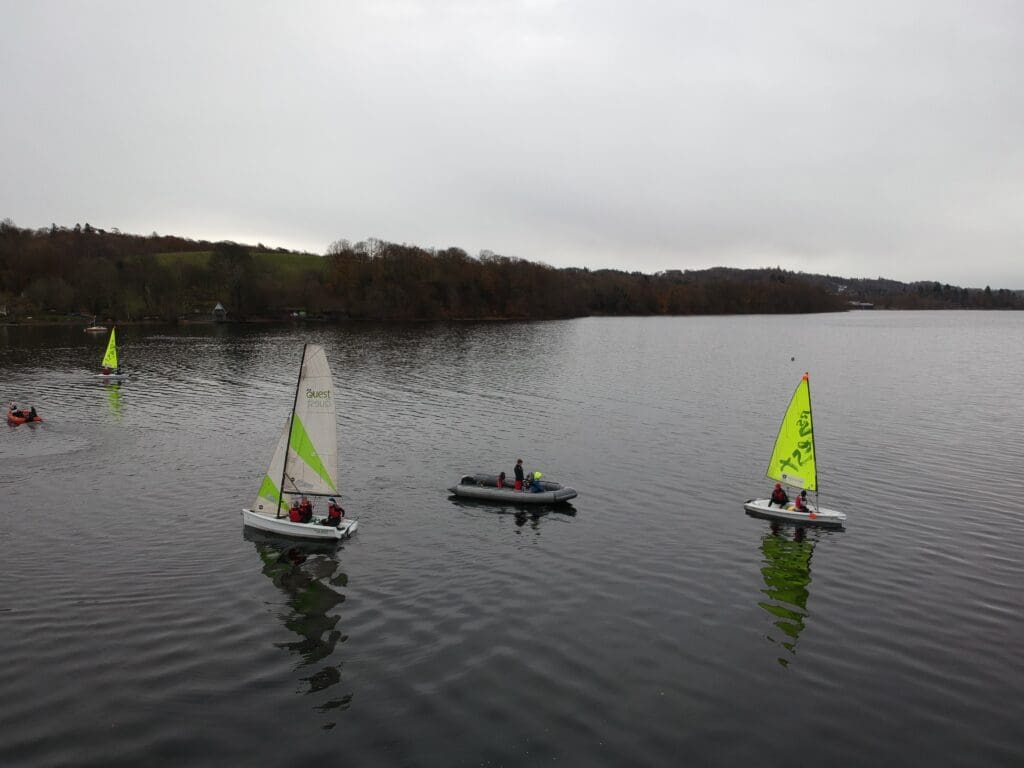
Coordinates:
535 486
800 502
334 513
778 496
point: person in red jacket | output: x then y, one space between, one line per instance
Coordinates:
295 513
778 496
306 510
335 513
800 502
501 480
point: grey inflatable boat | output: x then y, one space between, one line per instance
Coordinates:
485 488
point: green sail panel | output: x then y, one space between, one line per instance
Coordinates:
302 445
792 461
110 358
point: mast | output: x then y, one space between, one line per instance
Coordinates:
291 423
814 448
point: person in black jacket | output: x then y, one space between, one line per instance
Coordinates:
519 474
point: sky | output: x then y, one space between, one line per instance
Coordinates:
858 138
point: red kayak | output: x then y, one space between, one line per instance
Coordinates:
12 419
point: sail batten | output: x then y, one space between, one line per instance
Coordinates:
793 458
110 357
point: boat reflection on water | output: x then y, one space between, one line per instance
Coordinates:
787 578
522 515
114 397
309 573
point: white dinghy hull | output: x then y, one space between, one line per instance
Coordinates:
285 527
821 517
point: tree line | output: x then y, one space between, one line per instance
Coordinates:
61 271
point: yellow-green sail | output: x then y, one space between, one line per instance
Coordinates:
110 359
792 460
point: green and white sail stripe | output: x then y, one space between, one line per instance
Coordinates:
310 438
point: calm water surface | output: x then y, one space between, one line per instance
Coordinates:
651 623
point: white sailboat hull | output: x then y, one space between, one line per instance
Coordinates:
285 527
821 517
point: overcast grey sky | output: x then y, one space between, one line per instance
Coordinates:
859 138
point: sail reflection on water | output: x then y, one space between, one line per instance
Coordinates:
114 397
787 578
309 573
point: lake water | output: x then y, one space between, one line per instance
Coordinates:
650 623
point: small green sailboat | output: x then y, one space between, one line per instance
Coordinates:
794 464
111 370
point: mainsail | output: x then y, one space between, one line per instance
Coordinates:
306 458
792 460
110 358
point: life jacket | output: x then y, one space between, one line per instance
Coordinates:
295 515
779 496
501 483
334 512
799 503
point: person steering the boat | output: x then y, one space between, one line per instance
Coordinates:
535 486
334 514
779 496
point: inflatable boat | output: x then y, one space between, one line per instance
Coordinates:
485 488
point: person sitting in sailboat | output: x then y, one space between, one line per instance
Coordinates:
306 510
779 496
334 514
295 512
800 502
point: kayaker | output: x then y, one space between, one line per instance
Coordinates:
778 496
519 474
32 415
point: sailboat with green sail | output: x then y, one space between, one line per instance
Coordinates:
305 462
111 370
794 464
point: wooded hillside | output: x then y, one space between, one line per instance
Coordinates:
58 271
